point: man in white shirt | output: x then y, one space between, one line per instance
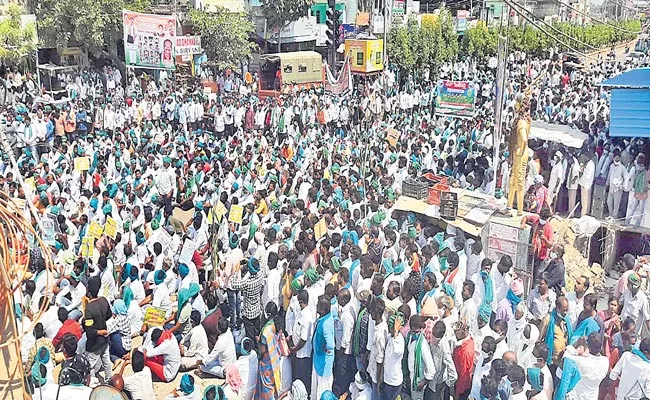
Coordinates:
223 353
635 303
301 339
586 181
139 384
633 370
195 344
378 346
572 182
483 365
416 324
592 365
615 180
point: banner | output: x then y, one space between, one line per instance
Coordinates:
456 99
188 45
149 40
340 85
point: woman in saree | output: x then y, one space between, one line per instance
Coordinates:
611 324
588 321
269 382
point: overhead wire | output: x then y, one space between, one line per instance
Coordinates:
555 29
532 22
595 19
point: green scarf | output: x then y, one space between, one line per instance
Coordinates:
418 371
357 332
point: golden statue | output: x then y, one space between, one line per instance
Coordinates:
518 147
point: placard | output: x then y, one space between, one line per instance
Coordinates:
187 252
95 230
17 204
159 236
82 164
236 214
154 317
111 227
49 231
220 210
392 136
29 182
320 229
87 246
183 216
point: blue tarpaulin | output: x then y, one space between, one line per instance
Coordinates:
630 103
638 78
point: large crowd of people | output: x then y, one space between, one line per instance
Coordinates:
256 244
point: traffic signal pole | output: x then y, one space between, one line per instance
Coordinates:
333 36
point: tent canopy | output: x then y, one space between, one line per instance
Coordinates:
557 133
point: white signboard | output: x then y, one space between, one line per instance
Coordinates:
188 45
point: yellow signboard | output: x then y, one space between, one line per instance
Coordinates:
30 182
154 317
111 227
236 214
95 230
365 55
220 210
320 229
81 164
87 246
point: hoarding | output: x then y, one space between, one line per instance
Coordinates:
456 99
149 40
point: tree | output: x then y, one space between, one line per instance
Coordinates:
449 38
480 42
399 47
16 41
224 35
92 24
280 13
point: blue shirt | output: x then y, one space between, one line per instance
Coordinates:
323 345
49 128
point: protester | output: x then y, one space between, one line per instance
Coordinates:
265 241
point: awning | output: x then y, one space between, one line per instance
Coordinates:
557 133
638 78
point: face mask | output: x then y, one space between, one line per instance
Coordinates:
616 162
542 222
486 356
553 255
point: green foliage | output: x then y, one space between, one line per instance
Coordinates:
429 45
399 47
280 13
481 41
16 41
224 35
92 24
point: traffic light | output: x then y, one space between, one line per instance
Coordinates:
333 27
